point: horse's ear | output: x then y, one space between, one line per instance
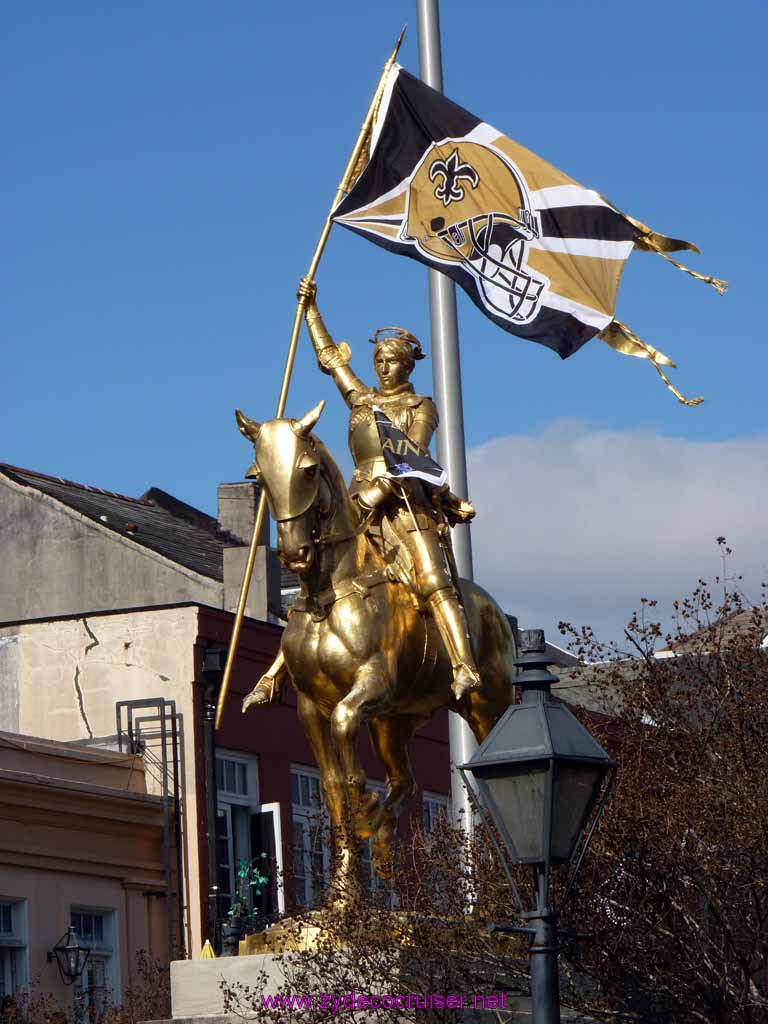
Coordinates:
307 422
249 428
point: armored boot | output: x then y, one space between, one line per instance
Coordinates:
452 625
267 690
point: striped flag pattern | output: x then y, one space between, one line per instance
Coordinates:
538 253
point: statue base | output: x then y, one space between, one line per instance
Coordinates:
311 932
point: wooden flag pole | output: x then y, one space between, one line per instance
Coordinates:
345 185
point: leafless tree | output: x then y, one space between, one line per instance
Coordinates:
675 896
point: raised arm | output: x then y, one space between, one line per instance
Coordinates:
424 423
332 359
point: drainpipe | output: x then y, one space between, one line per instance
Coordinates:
213 670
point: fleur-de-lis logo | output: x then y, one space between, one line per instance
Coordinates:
453 172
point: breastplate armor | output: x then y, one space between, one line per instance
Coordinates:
363 438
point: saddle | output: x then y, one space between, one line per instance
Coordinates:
319 605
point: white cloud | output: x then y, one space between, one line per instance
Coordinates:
579 524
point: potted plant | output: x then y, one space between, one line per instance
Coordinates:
241 916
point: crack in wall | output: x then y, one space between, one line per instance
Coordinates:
81 702
92 635
143 668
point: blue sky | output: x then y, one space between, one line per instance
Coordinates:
168 167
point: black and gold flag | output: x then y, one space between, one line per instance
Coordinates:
403 457
538 253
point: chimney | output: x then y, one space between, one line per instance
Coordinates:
237 511
237 515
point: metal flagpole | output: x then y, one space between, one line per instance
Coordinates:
345 185
446 379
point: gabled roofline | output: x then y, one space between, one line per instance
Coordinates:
134 542
73 616
9 470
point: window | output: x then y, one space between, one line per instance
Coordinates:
435 812
435 809
267 853
237 797
13 946
231 777
373 882
93 996
97 988
310 837
225 858
305 789
89 928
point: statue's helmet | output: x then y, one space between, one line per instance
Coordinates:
468 205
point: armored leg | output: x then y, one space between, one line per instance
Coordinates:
434 585
452 625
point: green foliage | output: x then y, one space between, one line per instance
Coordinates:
251 882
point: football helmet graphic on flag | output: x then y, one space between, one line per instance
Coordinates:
469 205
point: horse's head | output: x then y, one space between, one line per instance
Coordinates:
288 467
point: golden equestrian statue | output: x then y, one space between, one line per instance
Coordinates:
404 527
378 634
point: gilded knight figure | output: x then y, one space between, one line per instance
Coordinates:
405 520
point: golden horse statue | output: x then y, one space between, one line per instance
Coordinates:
357 646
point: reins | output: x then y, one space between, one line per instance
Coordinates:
337 538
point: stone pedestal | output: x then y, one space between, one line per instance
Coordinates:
196 985
197 996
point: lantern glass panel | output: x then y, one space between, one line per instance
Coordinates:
518 793
574 788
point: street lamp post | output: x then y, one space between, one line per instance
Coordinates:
543 779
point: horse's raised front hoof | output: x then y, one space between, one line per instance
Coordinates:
465 680
264 692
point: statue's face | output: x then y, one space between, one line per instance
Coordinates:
391 369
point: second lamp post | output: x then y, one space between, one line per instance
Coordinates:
544 781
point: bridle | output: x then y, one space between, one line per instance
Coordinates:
322 514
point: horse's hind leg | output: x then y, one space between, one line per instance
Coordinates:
318 731
481 709
391 740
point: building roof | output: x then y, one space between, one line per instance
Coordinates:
156 520
746 622
557 655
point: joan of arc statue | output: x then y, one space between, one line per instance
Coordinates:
404 517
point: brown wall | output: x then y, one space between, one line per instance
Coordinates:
77 829
70 672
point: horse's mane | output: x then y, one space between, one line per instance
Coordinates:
347 514
337 482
